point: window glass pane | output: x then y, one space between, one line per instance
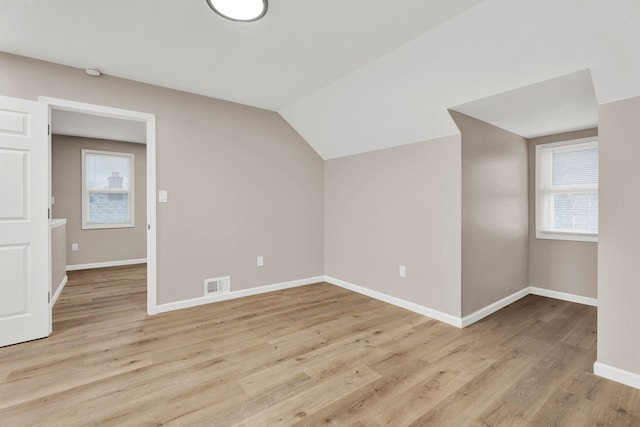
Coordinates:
575 167
108 208
107 172
576 212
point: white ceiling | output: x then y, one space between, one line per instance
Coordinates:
297 48
349 76
563 104
87 125
494 47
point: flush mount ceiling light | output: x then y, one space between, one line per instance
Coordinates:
239 10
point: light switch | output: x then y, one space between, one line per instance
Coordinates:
163 196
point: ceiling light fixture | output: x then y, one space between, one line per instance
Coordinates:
239 10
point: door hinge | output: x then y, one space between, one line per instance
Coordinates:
48 129
49 213
49 297
148 226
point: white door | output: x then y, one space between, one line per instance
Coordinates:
24 226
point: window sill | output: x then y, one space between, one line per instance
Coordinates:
576 237
106 226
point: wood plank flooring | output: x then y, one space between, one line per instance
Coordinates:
309 356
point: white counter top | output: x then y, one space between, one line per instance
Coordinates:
57 222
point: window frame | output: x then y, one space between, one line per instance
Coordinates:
541 176
86 225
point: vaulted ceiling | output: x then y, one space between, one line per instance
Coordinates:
349 76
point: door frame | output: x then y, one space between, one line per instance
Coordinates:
150 120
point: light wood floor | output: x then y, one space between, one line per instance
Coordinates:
314 355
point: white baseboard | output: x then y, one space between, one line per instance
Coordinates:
563 296
55 296
492 308
466 320
106 264
618 375
416 308
163 308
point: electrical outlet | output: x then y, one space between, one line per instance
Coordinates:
74 247
403 271
260 261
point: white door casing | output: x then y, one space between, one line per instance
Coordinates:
150 121
25 312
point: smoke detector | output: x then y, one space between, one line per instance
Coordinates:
93 72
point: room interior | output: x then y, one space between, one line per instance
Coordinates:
72 132
343 156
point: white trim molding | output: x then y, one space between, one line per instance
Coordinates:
163 308
416 308
461 322
55 296
458 322
152 258
106 264
563 296
618 375
492 308
150 121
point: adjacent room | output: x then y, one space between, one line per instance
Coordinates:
282 212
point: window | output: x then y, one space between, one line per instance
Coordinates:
107 190
567 190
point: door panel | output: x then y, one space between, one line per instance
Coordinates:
12 184
14 264
24 226
14 122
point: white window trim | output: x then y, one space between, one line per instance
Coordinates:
86 225
560 235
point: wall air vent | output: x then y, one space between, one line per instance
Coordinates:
217 285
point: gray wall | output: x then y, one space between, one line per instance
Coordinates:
399 206
560 265
99 245
241 181
58 257
619 235
494 213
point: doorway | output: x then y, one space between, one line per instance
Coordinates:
96 121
